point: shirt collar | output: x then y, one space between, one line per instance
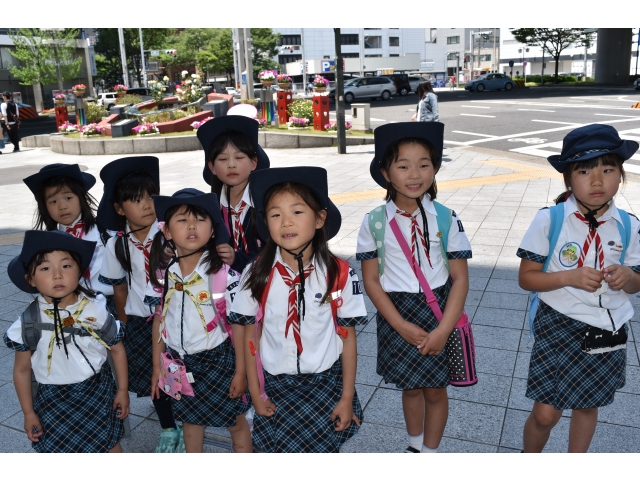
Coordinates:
571 207
278 258
246 197
42 303
200 268
427 203
150 234
71 225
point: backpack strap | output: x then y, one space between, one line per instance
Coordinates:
556 213
254 349
336 294
625 233
30 333
377 226
444 217
218 291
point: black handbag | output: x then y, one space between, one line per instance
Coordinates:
597 340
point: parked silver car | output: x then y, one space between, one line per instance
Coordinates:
367 87
490 81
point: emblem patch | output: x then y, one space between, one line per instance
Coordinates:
570 254
203 296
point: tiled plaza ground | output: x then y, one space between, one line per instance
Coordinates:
488 417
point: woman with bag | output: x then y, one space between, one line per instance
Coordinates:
427 109
413 329
11 117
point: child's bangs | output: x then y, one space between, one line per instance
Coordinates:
609 160
296 189
41 257
239 140
134 186
186 209
392 152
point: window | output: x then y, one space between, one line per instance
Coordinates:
452 55
394 54
377 55
394 41
284 59
349 39
452 40
7 59
372 42
350 55
290 40
485 58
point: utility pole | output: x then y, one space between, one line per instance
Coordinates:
241 62
248 61
342 135
123 58
457 68
236 64
144 69
361 50
304 63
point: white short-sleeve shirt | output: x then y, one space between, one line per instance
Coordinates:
321 346
84 352
93 282
246 197
574 302
398 276
183 325
112 273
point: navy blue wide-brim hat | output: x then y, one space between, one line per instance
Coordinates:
36 241
114 171
211 130
59 170
385 135
315 178
190 196
589 142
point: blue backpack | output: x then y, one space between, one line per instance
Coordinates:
557 217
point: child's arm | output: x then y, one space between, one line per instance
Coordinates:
239 382
621 277
22 382
532 278
264 408
121 401
342 414
437 339
120 293
159 348
407 330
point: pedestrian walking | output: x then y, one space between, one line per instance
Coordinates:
301 363
427 108
411 333
452 81
11 117
583 256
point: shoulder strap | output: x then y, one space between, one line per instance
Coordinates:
30 334
218 290
444 218
625 233
377 226
254 348
557 217
336 294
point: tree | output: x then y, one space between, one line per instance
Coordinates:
553 40
263 46
41 52
221 53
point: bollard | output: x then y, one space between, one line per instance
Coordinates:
361 118
284 100
320 111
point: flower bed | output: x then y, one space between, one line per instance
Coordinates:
261 122
67 127
298 123
93 129
146 129
333 126
197 125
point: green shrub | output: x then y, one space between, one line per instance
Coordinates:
301 108
158 117
135 99
93 112
251 101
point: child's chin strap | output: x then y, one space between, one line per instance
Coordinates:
298 257
591 214
127 255
173 260
425 232
58 325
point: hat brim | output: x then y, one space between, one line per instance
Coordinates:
386 135
71 171
114 171
37 241
624 151
315 178
207 201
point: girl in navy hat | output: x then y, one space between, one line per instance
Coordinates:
411 340
300 352
192 325
127 208
232 152
64 337
583 258
64 203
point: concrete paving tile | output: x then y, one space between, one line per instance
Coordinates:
474 422
490 390
633 380
454 445
632 354
366 371
526 344
9 404
615 439
499 317
10 305
372 326
508 450
478 283
496 337
485 240
473 298
514 424
506 286
372 438
144 438
505 273
365 392
517 398
511 301
141 406
494 361
522 365
6 367
385 408
367 344
623 411
13 441
20 297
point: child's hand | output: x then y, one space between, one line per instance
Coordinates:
264 408
434 343
31 422
238 386
343 414
227 254
617 276
155 389
412 333
121 403
585 278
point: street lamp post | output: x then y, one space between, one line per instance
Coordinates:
457 68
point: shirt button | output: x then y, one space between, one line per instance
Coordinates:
293 351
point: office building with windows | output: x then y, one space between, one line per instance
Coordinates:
470 51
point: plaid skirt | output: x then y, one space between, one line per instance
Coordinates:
212 372
137 344
111 306
302 422
78 418
561 374
401 363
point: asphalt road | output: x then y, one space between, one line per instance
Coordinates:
530 121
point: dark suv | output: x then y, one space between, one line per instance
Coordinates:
401 81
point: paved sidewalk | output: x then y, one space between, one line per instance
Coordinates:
496 198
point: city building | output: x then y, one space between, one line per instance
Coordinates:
469 51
